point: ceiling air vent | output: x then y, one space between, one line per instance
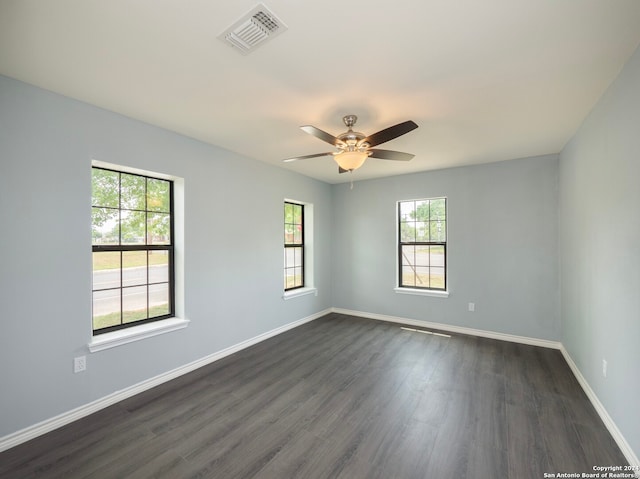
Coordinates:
253 29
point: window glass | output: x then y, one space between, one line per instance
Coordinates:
293 246
132 229
422 245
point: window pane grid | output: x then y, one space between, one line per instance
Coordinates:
293 246
132 232
422 243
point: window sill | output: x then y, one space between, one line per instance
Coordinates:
295 293
422 292
135 333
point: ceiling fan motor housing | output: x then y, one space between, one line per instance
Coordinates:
352 139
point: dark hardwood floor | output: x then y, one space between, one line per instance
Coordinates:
341 397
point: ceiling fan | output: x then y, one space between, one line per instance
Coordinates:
353 148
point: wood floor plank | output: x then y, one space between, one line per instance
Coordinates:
61 451
65 440
411 457
450 454
487 460
154 454
598 445
526 449
84 462
341 397
562 443
307 456
166 465
489 411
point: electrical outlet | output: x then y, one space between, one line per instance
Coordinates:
604 368
472 307
79 364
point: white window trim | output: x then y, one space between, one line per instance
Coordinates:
422 292
436 293
135 333
100 342
295 293
309 282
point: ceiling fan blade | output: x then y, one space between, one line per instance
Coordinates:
315 155
322 135
390 155
390 133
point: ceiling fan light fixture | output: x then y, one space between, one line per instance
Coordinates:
353 148
350 160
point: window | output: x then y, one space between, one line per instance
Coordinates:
133 250
422 244
293 246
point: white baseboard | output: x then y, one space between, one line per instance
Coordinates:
622 443
453 329
48 425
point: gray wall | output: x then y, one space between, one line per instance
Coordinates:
502 247
600 249
233 250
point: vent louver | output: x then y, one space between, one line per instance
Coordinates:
253 29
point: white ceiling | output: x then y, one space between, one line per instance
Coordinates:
486 80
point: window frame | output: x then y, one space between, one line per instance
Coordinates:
428 290
121 248
300 245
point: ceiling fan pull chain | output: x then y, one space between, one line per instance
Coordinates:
351 175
